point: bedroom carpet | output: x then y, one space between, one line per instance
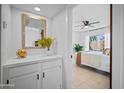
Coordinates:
88 79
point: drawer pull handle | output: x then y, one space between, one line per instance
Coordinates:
7 82
43 75
37 76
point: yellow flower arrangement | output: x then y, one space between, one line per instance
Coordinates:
46 42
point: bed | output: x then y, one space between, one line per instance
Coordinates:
96 60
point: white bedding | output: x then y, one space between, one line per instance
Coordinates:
96 60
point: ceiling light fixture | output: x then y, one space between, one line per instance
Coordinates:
36 8
86 26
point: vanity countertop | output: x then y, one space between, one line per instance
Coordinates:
29 60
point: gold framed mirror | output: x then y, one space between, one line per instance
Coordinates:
33 30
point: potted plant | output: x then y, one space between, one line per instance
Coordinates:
78 48
45 42
48 42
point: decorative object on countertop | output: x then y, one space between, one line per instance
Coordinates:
21 53
42 43
36 43
46 42
106 51
78 48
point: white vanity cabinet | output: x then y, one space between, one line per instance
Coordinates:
52 75
23 77
28 81
44 74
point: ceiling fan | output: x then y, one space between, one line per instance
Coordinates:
86 24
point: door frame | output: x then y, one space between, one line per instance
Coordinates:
110 13
110 47
0 49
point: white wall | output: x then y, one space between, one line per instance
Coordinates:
6 33
60 23
118 47
0 45
5 17
16 32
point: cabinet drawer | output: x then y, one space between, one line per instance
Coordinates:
23 70
51 64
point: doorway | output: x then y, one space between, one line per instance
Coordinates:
96 47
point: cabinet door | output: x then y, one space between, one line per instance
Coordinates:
28 81
52 78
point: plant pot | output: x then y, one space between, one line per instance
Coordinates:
49 52
78 59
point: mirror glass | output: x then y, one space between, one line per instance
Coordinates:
33 30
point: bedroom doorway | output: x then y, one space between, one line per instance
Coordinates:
92 46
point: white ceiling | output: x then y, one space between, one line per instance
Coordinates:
47 10
91 12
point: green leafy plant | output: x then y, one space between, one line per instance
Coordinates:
78 48
48 42
42 43
45 42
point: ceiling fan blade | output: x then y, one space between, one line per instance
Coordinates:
95 22
92 26
79 25
82 27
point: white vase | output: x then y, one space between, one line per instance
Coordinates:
48 52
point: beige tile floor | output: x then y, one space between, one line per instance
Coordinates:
84 78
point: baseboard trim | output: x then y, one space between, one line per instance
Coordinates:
95 70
